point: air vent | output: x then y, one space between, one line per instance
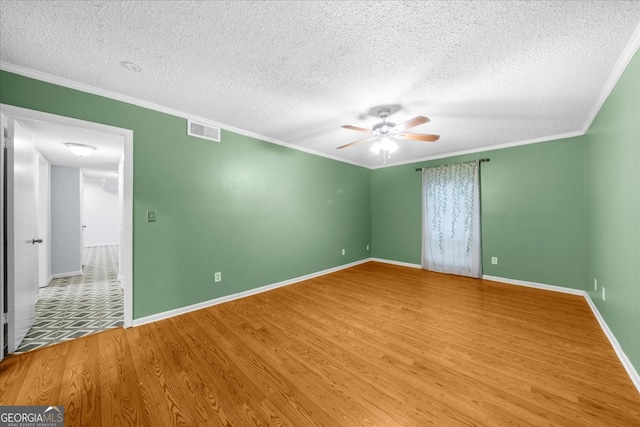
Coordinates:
200 130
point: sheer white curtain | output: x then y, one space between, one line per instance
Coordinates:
451 219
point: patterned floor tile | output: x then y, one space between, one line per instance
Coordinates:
32 345
72 307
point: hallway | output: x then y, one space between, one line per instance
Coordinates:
72 307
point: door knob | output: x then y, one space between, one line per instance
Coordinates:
34 241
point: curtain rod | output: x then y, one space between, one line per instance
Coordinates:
486 159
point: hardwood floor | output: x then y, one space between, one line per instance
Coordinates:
373 345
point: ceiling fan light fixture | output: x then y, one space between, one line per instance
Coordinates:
384 133
386 144
80 150
375 148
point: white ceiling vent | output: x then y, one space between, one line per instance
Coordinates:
200 130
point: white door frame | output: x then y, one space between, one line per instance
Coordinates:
2 318
44 220
126 269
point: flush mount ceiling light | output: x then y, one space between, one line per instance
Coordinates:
131 66
80 150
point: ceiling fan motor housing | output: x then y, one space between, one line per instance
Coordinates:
383 113
383 127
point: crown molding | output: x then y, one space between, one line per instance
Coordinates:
483 149
626 57
61 81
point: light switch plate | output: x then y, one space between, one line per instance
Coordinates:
152 216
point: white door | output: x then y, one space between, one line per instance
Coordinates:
22 235
126 264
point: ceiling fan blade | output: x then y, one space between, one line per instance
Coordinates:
419 120
357 142
357 128
416 136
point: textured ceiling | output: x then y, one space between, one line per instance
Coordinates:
485 73
50 139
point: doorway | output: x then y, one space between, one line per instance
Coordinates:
117 251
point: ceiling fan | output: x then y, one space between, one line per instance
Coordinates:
385 131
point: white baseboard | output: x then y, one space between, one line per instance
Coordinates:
47 282
546 287
227 298
628 366
69 274
101 244
626 363
400 263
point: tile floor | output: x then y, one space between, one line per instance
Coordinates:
72 307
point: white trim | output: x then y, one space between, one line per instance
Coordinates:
60 81
546 287
126 241
626 363
182 310
3 124
628 366
67 274
127 135
393 262
626 57
489 148
101 244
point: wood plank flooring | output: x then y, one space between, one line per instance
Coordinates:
373 345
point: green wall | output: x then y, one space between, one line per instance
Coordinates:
613 210
257 212
532 203
562 212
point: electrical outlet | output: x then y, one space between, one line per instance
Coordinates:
604 298
595 284
494 260
344 252
367 247
217 277
152 216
